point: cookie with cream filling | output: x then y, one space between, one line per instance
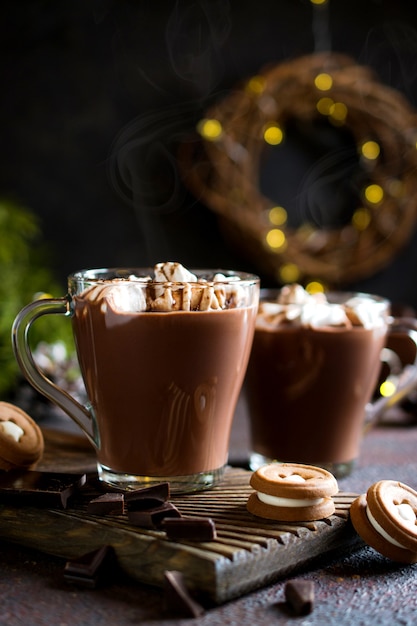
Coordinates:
21 439
386 519
292 492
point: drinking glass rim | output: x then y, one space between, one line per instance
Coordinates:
142 274
336 296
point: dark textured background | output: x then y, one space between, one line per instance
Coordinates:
96 95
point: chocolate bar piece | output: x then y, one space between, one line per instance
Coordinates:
177 599
147 497
300 596
111 503
152 518
92 568
189 528
43 489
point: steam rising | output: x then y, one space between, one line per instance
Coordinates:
142 167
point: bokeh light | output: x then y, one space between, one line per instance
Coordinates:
338 111
370 150
315 286
275 238
256 85
278 216
387 388
289 273
273 134
374 193
361 218
323 81
210 129
324 105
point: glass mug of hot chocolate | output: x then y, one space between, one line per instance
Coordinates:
163 354
312 374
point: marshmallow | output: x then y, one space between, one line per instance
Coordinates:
173 288
126 298
173 272
323 314
368 315
295 305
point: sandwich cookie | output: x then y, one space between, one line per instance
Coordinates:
292 492
386 519
21 439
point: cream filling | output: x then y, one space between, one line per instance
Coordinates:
288 502
382 532
12 430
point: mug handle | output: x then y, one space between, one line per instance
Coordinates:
82 415
406 381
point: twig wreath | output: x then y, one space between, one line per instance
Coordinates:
221 166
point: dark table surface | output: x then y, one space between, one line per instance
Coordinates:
359 588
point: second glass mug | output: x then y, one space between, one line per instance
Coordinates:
309 390
162 386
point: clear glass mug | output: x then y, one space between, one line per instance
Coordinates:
309 390
162 386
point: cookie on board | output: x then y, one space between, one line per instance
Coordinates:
386 519
21 439
292 492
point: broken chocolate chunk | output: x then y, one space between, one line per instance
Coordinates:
152 518
147 497
177 598
92 568
189 528
108 504
300 596
43 489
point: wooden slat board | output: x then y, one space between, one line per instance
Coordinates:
247 554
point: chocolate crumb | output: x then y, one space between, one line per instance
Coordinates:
177 598
299 594
91 569
189 528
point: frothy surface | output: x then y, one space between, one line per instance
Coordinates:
172 287
295 306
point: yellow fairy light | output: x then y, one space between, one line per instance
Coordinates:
278 215
338 111
210 129
387 388
256 85
273 135
324 105
374 194
323 81
275 238
370 150
361 218
289 273
318 2
315 287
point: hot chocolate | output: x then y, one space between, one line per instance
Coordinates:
163 359
313 368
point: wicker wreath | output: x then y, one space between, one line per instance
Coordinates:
221 166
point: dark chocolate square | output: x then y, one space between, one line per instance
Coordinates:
43 489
